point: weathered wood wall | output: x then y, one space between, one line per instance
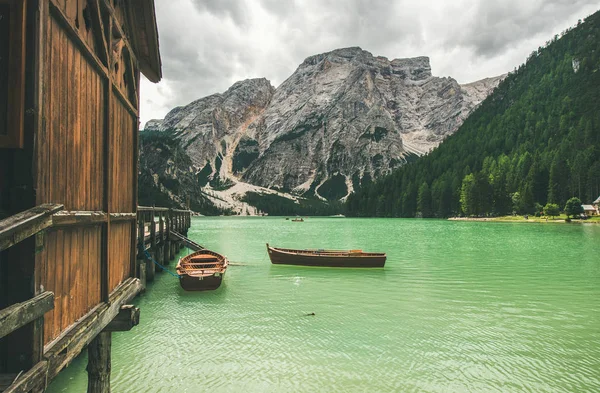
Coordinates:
119 267
86 155
70 154
73 276
122 131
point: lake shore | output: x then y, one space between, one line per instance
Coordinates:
592 220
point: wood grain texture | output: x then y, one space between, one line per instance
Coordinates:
121 157
73 170
119 267
72 271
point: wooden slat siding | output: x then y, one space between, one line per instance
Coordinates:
121 198
119 267
73 273
73 111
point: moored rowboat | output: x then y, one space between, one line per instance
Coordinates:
202 270
331 258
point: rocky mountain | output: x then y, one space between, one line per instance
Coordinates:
341 119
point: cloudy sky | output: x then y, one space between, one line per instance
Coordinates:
207 45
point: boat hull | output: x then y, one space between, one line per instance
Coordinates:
202 283
304 259
202 270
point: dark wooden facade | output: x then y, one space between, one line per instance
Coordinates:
68 137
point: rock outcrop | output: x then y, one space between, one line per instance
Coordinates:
342 118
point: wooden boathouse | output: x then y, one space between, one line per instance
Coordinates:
69 104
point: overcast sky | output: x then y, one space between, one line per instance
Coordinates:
207 45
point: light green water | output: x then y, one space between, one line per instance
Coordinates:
459 307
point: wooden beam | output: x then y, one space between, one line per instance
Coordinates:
69 218
150 208
78 218
22 225
125 101
98 30
69 345
20 314
119 217
111 11
86 51
128 317
35 378
98 367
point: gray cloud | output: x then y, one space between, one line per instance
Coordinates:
234 9
496 26
207 45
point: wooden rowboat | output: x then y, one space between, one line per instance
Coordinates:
332 258
202 270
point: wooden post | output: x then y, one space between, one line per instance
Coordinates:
142 273
173 250
161 226
140 235
98 367
152 230
168 243
150 270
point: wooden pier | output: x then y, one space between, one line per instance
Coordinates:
162 233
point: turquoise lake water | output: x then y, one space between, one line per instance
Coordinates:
459 307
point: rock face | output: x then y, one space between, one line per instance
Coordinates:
341 118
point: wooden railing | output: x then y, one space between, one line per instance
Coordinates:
13 230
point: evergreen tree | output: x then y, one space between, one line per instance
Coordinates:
424 200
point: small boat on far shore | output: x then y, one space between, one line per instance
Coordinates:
331 258
298 219
202 270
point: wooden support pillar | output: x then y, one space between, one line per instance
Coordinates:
98 367
166 252
173 249
160 256
142 273
150 267
152 230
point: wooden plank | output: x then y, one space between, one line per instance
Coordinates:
54 113
120 217
27 223
35 378
20 314
58 283
66 279
78 218
128 317
63 350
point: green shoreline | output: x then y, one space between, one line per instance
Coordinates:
560 220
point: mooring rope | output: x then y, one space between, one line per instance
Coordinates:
159 265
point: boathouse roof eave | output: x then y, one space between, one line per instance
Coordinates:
145 38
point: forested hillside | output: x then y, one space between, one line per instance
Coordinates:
534 140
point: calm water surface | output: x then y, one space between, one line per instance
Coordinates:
459 307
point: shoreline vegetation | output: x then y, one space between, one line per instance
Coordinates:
543 219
